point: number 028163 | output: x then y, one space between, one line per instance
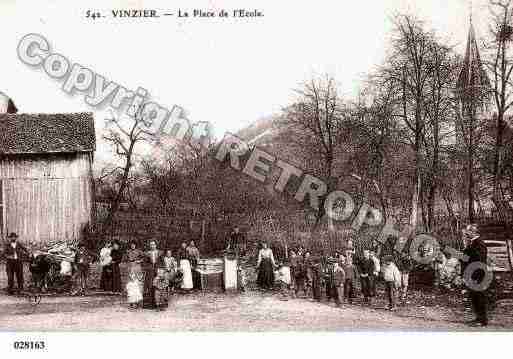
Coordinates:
29 345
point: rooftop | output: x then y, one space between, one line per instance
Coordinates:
47 133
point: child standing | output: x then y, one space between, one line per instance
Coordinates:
392 278
241 279
134 291
350 271
82 262
338 279
161 288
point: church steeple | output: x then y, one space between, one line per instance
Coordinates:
472 74
473 84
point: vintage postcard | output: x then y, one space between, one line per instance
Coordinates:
255 166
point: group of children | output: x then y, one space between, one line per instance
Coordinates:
336 276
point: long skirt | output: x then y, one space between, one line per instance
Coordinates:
135 268
265 277
185 266
106 278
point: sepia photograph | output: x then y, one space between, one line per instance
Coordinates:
221 166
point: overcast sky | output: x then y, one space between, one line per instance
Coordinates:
230 72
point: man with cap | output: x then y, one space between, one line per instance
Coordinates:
476 252
14 253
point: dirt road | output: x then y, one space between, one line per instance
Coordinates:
253 311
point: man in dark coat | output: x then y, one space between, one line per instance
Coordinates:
477 253
14 253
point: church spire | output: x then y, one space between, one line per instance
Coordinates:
472 74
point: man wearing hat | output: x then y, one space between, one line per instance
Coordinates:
14 253
477 253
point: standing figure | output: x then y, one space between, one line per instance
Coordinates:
294 268
327 270
307 267
349 251
170 265
134 257
265 265
151 261
236 242
14 253
367 276
405 265
317 279
117 257
338 280
351 275
185 268
161 289
475 277
82 264
133 291
392 278
106 264
193 254
376 273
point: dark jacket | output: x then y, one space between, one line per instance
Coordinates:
405 263
21 251
366 266
476 252
235 240
117 256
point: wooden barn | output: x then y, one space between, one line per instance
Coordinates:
46 183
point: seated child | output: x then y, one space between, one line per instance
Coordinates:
161 288
134 291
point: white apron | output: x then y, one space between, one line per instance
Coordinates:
185 266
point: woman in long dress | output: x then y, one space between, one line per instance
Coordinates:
265 265
134 257
152 259
185 268
106 263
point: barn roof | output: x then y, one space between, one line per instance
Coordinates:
47 133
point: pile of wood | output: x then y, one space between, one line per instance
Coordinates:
59 251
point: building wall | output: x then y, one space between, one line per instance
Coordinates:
46 197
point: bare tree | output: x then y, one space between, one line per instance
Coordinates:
500 65
124 135
315 126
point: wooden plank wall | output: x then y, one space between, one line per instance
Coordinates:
46 198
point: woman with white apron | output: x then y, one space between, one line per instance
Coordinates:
185 268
